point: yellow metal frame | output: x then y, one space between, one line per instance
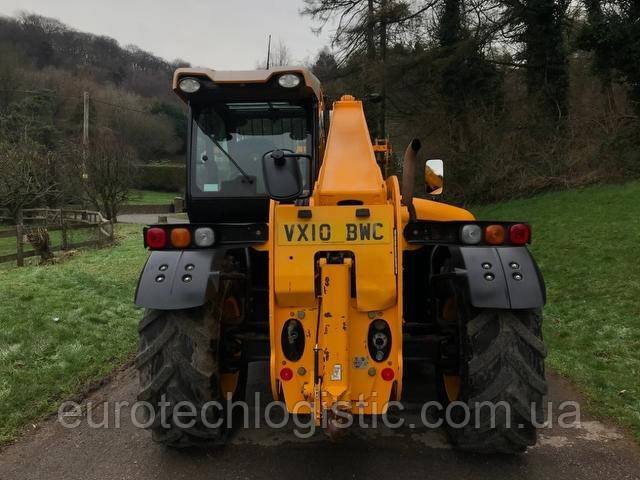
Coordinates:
335 302
356 219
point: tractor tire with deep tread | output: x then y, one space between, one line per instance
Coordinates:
178 361
502 361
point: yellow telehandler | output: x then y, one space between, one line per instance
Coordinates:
300 253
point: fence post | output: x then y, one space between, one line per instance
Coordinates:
63 231
19 246
99 233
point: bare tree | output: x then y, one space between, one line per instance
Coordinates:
364 29
280 55
109 174
24 181
355 25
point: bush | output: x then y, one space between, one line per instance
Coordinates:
161 177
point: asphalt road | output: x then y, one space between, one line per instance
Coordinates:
592 450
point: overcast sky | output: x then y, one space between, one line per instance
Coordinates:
219 34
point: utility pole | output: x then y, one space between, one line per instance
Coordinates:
85 126
85 134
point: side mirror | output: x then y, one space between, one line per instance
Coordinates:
434 176
287 175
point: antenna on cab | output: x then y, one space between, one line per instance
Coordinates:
268 51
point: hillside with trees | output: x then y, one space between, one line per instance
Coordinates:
45 68
518 96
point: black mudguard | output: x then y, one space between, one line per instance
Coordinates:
173 280
504 264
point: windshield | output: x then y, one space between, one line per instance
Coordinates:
231 138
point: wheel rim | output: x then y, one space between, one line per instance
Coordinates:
231 316
229 383
451 386
450 310
451 382
231 311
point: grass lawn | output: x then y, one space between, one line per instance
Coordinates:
64 325
7 245
587 243
149 197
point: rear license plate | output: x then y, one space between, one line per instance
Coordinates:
334 232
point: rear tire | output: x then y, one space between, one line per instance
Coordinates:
502 360
179 361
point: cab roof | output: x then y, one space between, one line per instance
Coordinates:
245 76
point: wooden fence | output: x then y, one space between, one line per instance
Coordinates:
56 220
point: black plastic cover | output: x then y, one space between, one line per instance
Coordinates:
173 280
501 277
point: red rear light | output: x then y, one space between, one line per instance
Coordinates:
519 234
387 374
156 238
286 374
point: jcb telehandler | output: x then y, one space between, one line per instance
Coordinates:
298 252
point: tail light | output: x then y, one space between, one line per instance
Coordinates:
387 374
494 234
519 234
188 236
204 237
470 234
180 237
156 238
286 374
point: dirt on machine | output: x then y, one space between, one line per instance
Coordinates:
301 251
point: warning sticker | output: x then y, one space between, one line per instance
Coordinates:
360 362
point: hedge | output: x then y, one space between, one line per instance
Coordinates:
161 177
